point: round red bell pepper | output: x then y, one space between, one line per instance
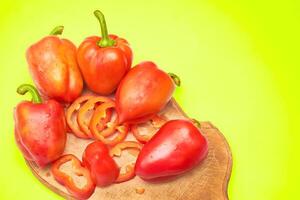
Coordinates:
177 147
104 61
54 69
40 128
143 92
79 192
103 168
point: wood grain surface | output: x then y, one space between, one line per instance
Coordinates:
208 181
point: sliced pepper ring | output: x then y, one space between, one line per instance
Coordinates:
75 106
117 151
79 192
156 121
110 128
84 121
100 128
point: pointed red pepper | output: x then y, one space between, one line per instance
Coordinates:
40 128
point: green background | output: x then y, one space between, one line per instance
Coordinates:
238 62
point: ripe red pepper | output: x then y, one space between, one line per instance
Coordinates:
104 61
79 192
40 128
143 92
54 69
103 168
177 147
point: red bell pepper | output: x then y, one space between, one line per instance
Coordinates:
103 168
104 61
117 150
54 69
177 147
40 128
79 192
143 92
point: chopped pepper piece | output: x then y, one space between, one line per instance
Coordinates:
74 107
79 192
117 151
83 120
156 121
109 128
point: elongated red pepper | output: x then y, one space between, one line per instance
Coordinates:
143 92
117 150
54 69
104 61
177 147
79 192
40 128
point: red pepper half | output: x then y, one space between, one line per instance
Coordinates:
79 192
40 127
156 122
117 151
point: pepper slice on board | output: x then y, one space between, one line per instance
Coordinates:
156 122
83 119
117 151
83 192
74 107
110 128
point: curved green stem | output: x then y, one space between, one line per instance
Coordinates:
24 88
175 78
105 41
57 30
196 122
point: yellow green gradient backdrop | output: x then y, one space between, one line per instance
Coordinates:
239 65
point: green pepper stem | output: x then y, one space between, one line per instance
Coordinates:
105 41
24 88
196 122
57 30
175 78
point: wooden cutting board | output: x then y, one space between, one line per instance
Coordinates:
208 181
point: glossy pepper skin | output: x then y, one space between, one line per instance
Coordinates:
176 148
40 128
143 92
104 170
53 66
104 60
